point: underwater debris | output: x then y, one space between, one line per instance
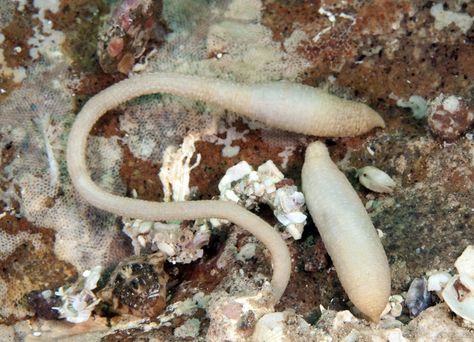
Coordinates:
375 179
42 304
394 307
243 185
180 243
126 35
190 328
449 116
459 292
284 326
137 286
187 307
246 252
175 170
418 297
437 281
444 18
78 300
233 317
417 104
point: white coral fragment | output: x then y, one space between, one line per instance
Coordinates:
175 171
180 244
375 179
459 292
234 173
247 251
78 300
243 185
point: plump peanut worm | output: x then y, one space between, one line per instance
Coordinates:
347 232
283 105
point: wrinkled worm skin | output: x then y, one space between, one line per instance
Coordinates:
347 232
283 105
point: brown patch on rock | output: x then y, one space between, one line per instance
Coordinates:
108 125
389 47
317 256
15 46
141 175
282 17
17 33
79 20
381 16
246 324
204 275
43 307
30 266
90 84
253 149
308 289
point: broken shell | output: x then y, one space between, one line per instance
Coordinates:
233 174
459 292
418 298
283 327
270 327
375 179
465 263
269 170
459 298
437 281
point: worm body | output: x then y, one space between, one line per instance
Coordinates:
283 105
109 98
347 232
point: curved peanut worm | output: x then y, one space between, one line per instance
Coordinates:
282 105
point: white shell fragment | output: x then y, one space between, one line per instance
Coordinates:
438 280
233 174
242 184
78 300
180 244
459 292
465 265
375 179
270 327
394 307
284 326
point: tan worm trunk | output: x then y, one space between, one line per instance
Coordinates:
347 232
